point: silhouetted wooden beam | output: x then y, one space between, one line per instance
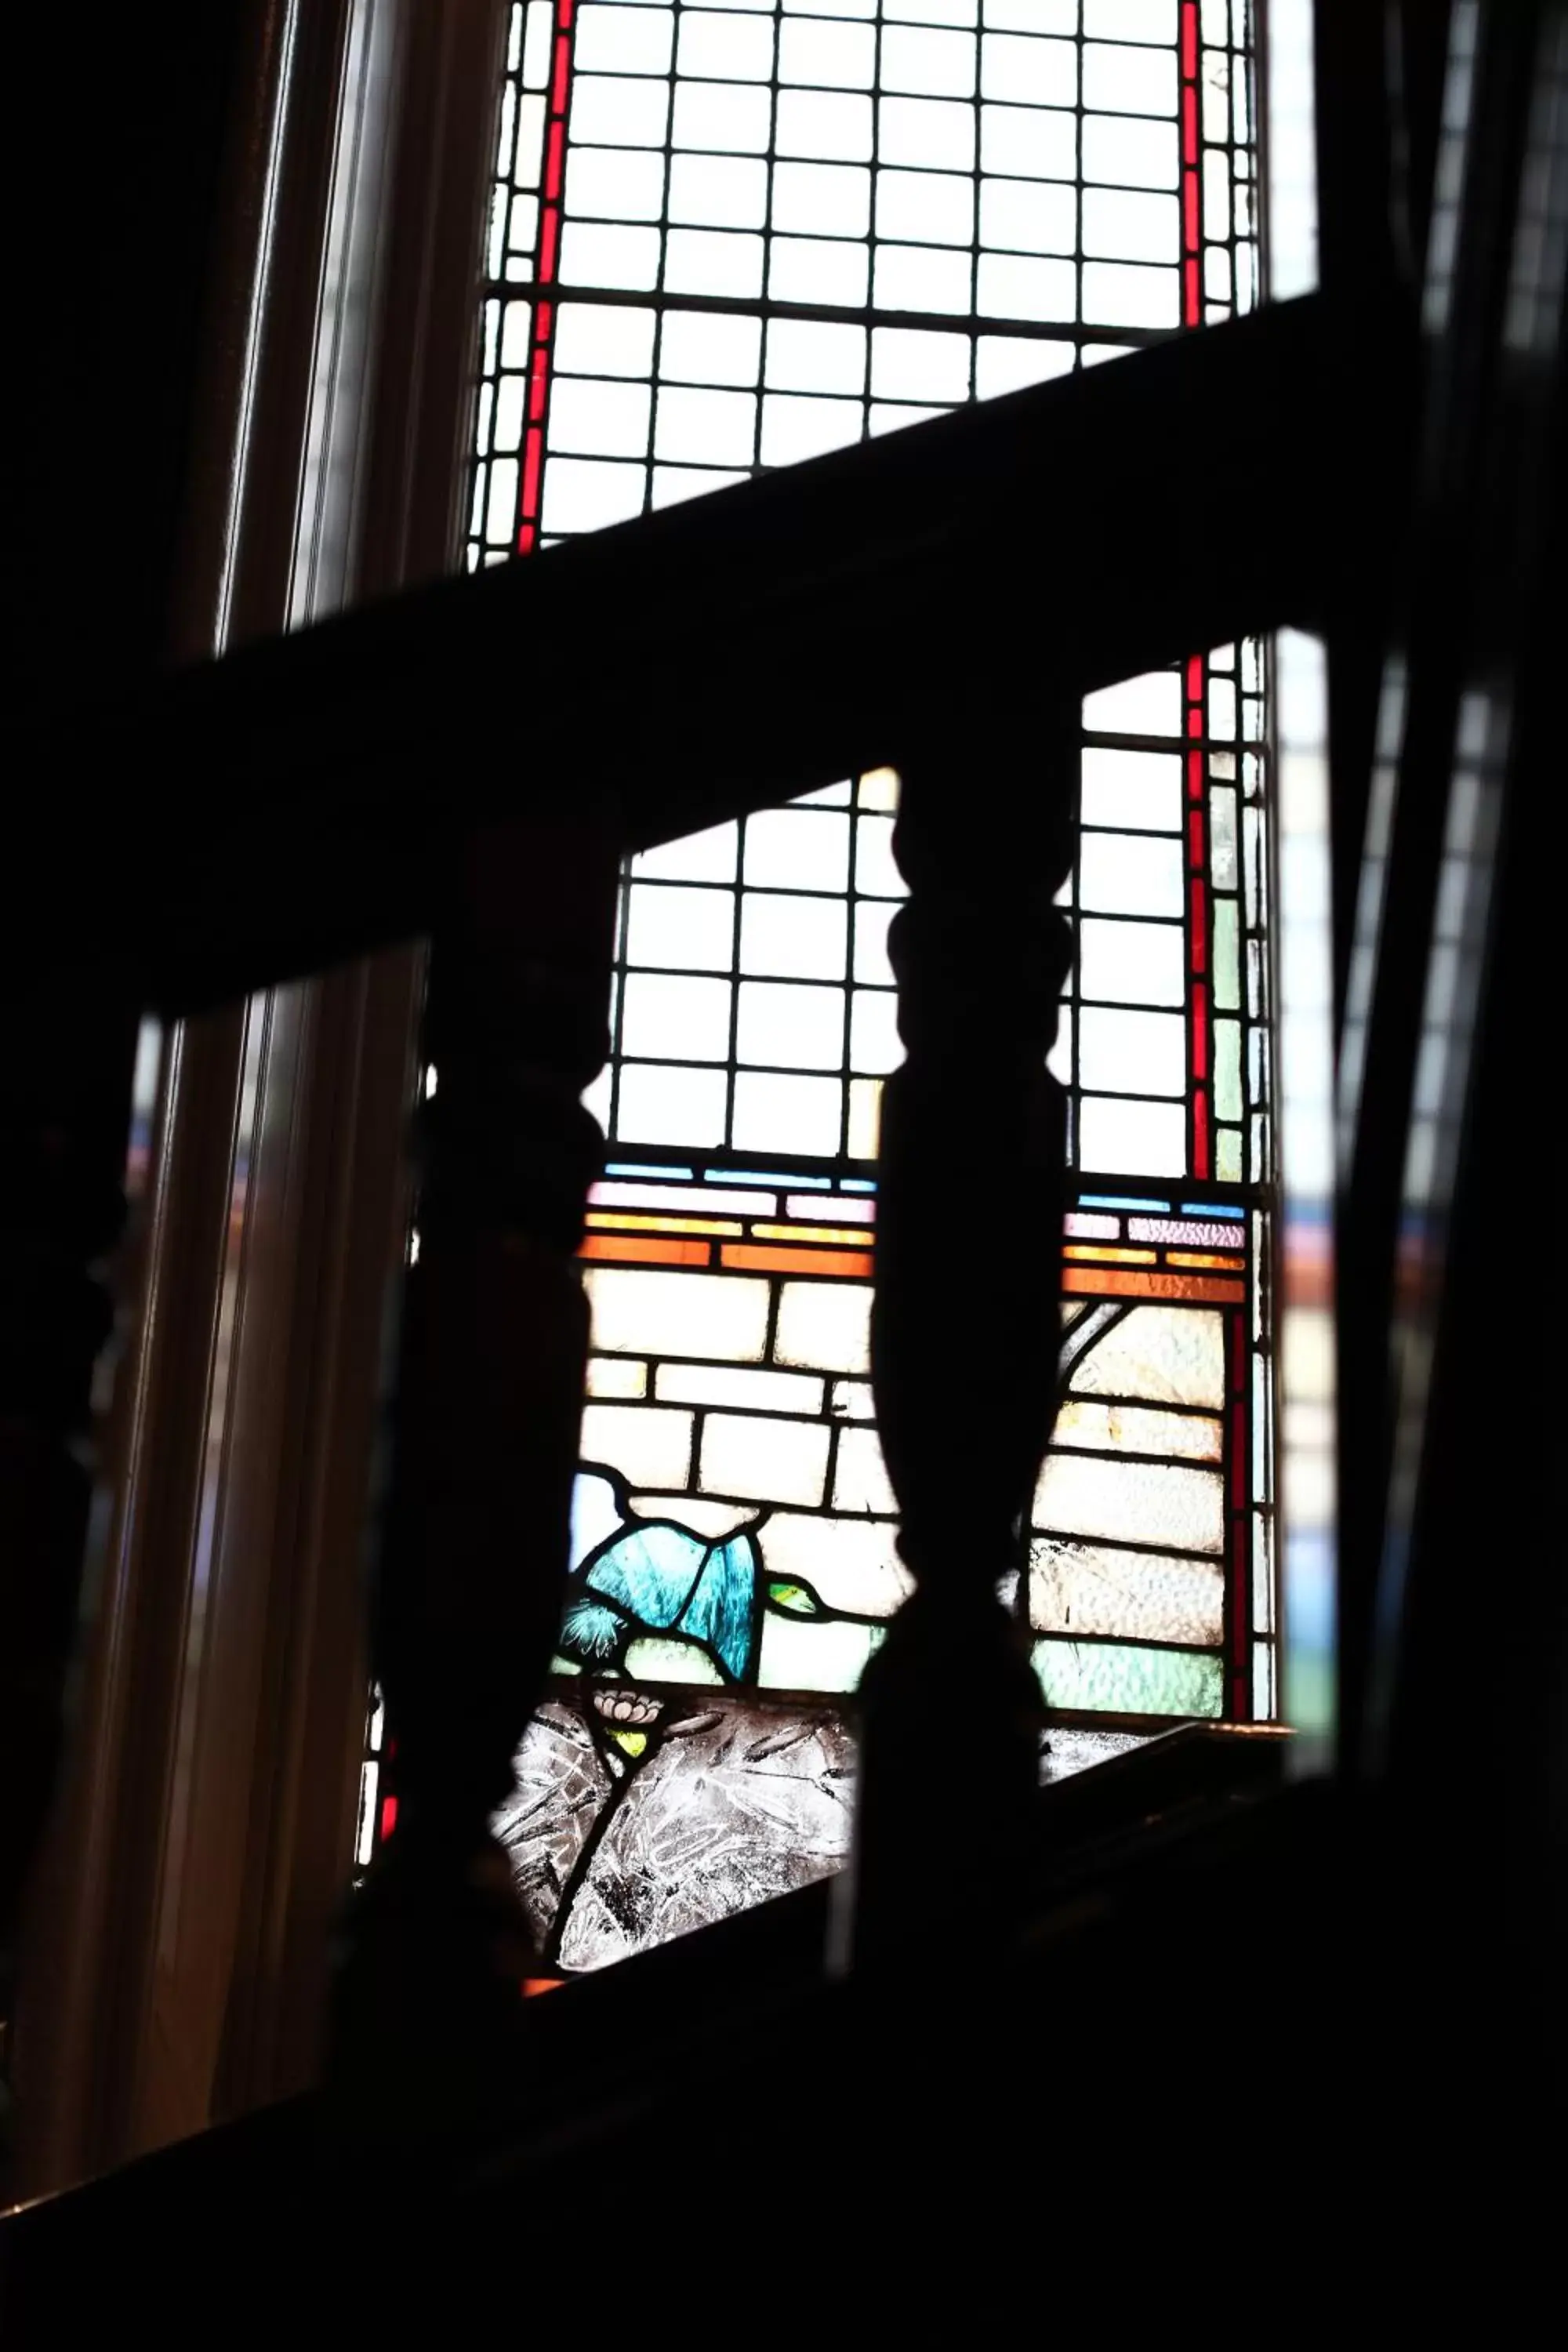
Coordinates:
721 655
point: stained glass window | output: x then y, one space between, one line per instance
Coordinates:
723 239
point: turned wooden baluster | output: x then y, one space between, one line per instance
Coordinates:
474 1547
964 1330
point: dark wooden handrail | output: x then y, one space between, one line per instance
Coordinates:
1062 537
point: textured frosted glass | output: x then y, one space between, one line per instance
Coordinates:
797 1654
723 1384
1137 790
774 1112
1140 1502
1166 1354
687 1018
659 1103
860 1479
1088 1587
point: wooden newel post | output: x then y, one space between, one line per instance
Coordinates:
475 1535
964 1329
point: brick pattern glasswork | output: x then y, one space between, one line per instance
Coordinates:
724 239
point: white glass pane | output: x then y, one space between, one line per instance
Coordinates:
1148 705
816 269
509 396
1132 963
1132 1053
603 338
1128 225
1134 1429
594 254
706 856
684 1020
1030 72
649 1447
1131 20
790 1025
712 261
725 47
615 183
910 363
863 1140
600 420
801 938
825 1326
622 40
795 427
758 1391
1131 1138
1031 16
613 1376
1120 873
838 56
1027 216
615 111
657 1103
723 191
860 1475
918 277
931 131
514 335
806 356
933 64
714 427
1007 362
876 873
673 484
797 849
676 930
798 1655
1013 288
891 416
1137 1501
1129 80
770 1461
1026 139
823 199
938 206
641 1311
710 349
851 1563
832 125
501 510
1120 149
866 8
777 1113
734 117
871 921
587 494
874 1042
1121 294
1141 790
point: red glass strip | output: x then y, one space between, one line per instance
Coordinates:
562 74
1202 1153
1195 678
1190 39
532 457
388 1817
1197 900
555 159
1195 775
1190 210
1195 839
1200 1029
1192 313
1190 125
549 238
525 540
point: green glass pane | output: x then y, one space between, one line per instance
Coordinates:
1228 1069
1226 963
1128 1678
